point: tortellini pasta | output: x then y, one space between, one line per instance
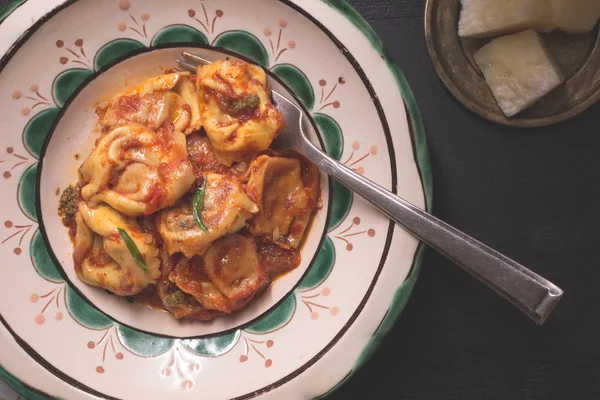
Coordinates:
231 263
236 110
202 156
226 209
137 171
165 99
179 303
101 255
285 194
226 278
190 277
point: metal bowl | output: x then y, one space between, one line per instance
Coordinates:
452 58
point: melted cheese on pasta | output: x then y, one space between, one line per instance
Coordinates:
236 111
137 171
102 258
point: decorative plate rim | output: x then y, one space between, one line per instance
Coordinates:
420 154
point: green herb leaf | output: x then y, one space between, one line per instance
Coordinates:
67 206
133 249
199 205
175 299
248 103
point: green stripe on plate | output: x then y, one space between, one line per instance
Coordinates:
9 7
19 387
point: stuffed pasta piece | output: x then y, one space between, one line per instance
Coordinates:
286 190
236 110
102 257
226 278
176 301
225 210
137 171
167 101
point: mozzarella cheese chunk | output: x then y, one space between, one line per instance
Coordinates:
487 18
226 210
236 110
575 16
169 98
137 171
102 258
519 70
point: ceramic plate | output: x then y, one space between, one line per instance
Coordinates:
61 339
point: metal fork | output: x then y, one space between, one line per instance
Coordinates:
531 293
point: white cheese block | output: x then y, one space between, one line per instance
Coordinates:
519 70
487 18
575 16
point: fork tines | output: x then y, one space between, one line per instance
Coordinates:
192 61
186 65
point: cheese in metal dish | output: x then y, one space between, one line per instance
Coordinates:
488 18
519 70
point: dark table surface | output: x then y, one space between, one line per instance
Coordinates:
533 195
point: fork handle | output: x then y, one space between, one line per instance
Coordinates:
534 295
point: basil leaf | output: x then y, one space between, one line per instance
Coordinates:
199 205
247 103
175 299
131 246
